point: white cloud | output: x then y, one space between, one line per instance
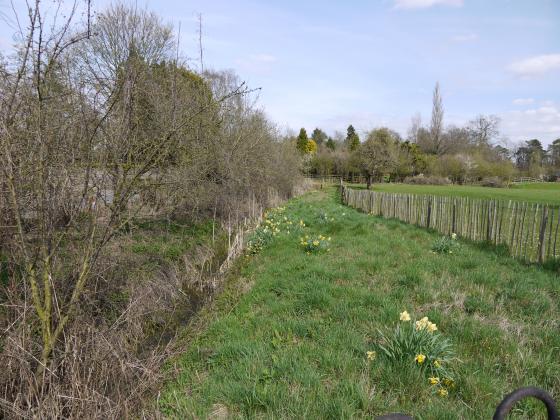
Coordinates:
542 123
465 38
423 4
523 101
536 66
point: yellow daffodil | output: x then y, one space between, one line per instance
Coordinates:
442 392
449 382
431 327
404 316
423 323
453 236
420 358
316 243
437 364
433 380
371 355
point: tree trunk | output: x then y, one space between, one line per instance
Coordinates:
368 181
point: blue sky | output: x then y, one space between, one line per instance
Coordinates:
375 62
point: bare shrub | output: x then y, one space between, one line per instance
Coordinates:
427 180
493 182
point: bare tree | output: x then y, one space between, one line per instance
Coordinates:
456 140
415 126
484 129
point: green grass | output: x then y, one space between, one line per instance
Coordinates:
544 193
289 335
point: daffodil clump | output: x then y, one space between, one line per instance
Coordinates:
418 344
313 244
260 238
274 223
446 244
278 222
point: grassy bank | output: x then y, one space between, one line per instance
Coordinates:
544 193
288 338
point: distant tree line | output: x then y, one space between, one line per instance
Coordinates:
471 153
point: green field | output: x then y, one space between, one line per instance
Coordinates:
289 335
544 193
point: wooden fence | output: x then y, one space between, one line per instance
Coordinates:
325 179
335 179
531 231
525 179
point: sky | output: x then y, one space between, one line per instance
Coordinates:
374 63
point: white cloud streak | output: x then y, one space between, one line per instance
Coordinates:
536 66
523 101
542 123
424 4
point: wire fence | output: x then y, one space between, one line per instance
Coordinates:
530 231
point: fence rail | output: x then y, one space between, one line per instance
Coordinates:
335 179
531 231
525 179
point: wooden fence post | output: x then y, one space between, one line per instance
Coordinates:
488 221
454 217
544 222
429 214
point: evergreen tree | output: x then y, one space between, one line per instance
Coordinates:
536 151
352 139
319 136
302 140
554 154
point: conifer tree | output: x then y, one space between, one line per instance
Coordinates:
302 140
352 139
